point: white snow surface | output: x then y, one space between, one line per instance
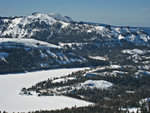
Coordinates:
63 79
26 42
144 100
99 84
98 57
11 84
134 51
115 67
120 37
49 19
15 30
132 110
60 17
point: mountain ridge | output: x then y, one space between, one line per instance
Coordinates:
80 42
45 26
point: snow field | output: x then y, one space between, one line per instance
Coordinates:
11 84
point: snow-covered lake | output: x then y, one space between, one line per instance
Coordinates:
11 84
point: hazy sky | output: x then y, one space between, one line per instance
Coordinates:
115 12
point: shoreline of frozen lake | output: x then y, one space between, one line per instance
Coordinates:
11 84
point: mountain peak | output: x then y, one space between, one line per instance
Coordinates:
60 17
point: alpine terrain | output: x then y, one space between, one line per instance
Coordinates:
118 58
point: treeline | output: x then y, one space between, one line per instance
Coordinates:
90 109
95 109
127 91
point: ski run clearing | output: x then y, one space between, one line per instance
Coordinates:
11 85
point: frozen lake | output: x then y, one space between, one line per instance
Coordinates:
11 84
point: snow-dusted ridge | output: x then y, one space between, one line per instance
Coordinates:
11 42
60 17
44 24
15 30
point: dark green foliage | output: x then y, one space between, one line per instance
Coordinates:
127 92
90 109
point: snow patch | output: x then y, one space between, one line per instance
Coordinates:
11 42
115 67
144 100
63 79
98 58
60 17
132 110
120 37
99 84
134 51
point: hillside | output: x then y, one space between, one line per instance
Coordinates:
51 41
118 57
55 28
20 55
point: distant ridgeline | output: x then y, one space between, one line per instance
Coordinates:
25 40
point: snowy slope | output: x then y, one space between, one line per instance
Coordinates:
97 57
61 18
63 79
92 84
52 27
37 54
99 84
11 42
11 84
21 26
134 51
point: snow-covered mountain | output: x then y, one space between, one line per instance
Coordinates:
26 27
55 28
53 40
118 57
59 17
